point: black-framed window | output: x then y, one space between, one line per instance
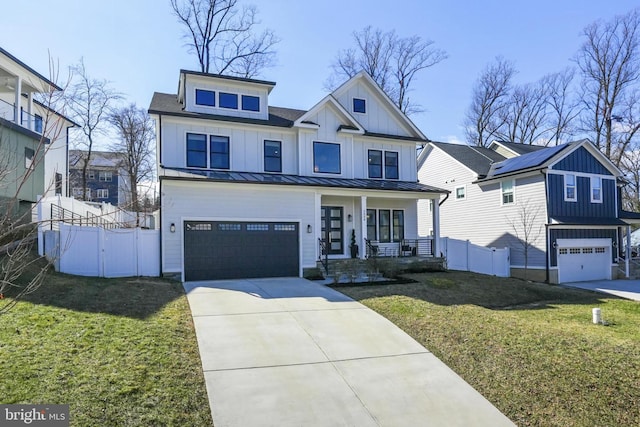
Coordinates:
384 230
272 156
359 105
196 150
58 183
205 97
398 225
219 152
37 123
371 224
375 163
326 157
391 165
228 100
250 103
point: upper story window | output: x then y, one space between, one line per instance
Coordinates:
508 192
596 189
205 97
461 193
570 194
219 152
228 100
29 154
326 157
359 105
102 193
250 103
375 164
391 164
105 176
272 156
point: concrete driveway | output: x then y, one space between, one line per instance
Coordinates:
290 352
629 289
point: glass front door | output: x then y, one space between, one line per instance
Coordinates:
332 229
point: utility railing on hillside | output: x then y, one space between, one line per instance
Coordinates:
60 214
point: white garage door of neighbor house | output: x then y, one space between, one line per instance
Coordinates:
581 260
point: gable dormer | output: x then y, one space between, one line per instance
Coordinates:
224 95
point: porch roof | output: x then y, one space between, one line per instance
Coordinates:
310 181
574 220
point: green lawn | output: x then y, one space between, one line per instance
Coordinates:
530 349
121 352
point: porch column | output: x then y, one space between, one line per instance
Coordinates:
363 227
627 252
317 226
17 100
436 227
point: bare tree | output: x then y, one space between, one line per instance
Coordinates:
525 114
527 228
136 132
89 101
223 37
392 61
563 107
486 116
609 61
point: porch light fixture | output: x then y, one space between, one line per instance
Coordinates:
349 218
172 227
309 229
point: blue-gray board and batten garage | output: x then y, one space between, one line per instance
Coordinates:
215 250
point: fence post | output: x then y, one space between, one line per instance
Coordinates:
101 238
468 250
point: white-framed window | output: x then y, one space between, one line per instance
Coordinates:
596 189
77 193
105 176
29 154
508 191
461 192
91 175
570 192
102 193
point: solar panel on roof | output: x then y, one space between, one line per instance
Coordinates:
525 161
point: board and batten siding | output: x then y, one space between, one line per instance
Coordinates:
582 207
406 156
246 143
378 117
189 200
581 161
480 217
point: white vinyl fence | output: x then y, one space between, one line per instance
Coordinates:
99 252
464 255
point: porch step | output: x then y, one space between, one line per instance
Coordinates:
345 269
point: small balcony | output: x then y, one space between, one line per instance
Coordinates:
32 122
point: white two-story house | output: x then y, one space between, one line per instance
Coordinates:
252 190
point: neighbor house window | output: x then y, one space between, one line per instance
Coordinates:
359 105
570 188
92 175
385 225
228 100
371 224
272 156
219 152
105 176
205 97
37 124
58 183
29 154
326 157
596 190
250 103
398 225
507 192
391 164
196 150
461 193
102 193
375 164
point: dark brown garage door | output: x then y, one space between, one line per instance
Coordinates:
233 250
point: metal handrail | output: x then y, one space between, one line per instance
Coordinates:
323 251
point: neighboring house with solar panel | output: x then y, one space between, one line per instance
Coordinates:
566 197
107 181
250 190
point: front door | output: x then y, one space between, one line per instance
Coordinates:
332 230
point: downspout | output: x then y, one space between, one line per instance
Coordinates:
446 196
546 225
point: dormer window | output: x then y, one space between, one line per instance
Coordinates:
359 105
205 97
250 103
228 100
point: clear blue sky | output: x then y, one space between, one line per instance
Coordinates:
137 44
